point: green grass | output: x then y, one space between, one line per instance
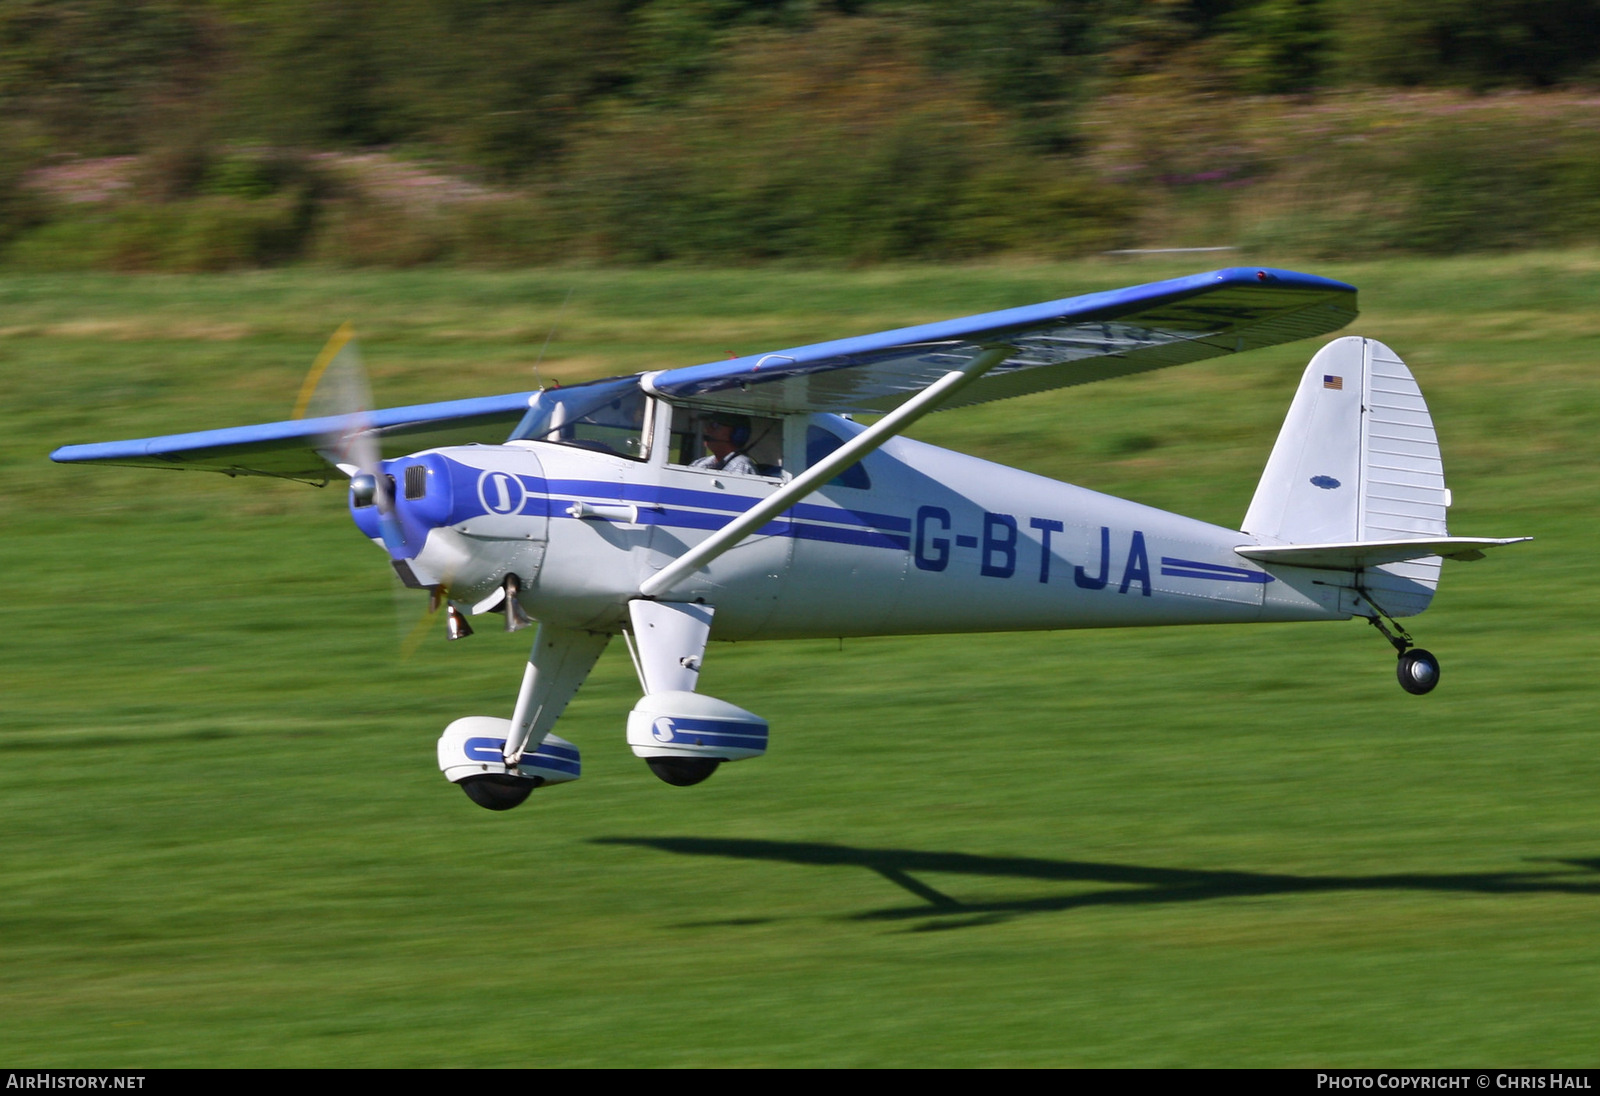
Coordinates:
226 842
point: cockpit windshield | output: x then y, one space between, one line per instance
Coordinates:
607 416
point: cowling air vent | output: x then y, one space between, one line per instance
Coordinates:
416 481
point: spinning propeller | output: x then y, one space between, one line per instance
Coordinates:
336 388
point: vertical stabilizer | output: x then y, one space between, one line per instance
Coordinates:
1357 460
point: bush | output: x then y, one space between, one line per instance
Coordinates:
21 206
207 234
509 231
1445 176
1051 211
829 144
361 231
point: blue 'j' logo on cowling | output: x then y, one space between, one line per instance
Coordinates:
1327 483
501 493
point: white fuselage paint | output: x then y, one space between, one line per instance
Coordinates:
939 542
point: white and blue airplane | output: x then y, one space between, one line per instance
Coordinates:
739 500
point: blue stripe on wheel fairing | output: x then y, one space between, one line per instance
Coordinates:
549 755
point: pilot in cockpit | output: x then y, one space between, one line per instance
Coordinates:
725 437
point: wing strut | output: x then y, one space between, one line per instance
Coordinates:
823 471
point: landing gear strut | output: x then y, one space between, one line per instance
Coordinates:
1417 669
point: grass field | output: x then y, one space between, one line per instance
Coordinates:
225 841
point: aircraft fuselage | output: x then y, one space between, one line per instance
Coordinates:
926 540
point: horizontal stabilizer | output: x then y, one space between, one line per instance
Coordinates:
1359 554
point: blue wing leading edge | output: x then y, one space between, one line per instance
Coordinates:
291 449
1059 343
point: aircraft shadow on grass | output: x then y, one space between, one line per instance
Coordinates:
1129 884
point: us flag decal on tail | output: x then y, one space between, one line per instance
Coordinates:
1335 383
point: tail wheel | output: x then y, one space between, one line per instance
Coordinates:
1418 671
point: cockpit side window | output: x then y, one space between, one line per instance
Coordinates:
720 441
606 416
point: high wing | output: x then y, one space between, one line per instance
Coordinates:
1053 345
292 449
1021 350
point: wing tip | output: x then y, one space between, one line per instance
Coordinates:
1272 275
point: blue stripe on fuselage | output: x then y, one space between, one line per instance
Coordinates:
650 494
545 498
670 507
1217 572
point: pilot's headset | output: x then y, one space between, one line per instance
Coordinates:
739 426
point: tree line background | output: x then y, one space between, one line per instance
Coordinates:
208 134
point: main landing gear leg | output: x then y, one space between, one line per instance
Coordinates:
1417 669
560 660
490 758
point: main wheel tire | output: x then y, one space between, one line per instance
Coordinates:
1418 671
683 772
497 792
